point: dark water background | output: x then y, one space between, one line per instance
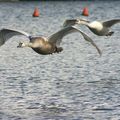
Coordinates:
76 84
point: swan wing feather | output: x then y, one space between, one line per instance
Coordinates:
110 23
69 22
6 34
57 37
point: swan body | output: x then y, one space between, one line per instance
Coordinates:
44 45
97 27
41 46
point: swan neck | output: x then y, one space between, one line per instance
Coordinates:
83 22
29 45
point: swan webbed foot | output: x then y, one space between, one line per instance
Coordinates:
59 49
110 33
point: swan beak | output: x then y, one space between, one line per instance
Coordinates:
20 45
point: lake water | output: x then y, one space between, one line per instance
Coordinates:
76 84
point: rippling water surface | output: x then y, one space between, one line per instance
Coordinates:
76 84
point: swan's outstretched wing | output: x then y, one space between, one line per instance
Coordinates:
57 37
72 22
6 34
69 22
111 22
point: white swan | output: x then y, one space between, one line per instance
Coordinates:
98 28
43 45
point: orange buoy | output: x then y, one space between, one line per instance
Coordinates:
85 11
36 12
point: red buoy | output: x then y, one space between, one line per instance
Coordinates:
85 11
36 12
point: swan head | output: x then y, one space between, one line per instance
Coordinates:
80 21
21 45
70 22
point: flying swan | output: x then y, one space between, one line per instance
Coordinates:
98 28
43 45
